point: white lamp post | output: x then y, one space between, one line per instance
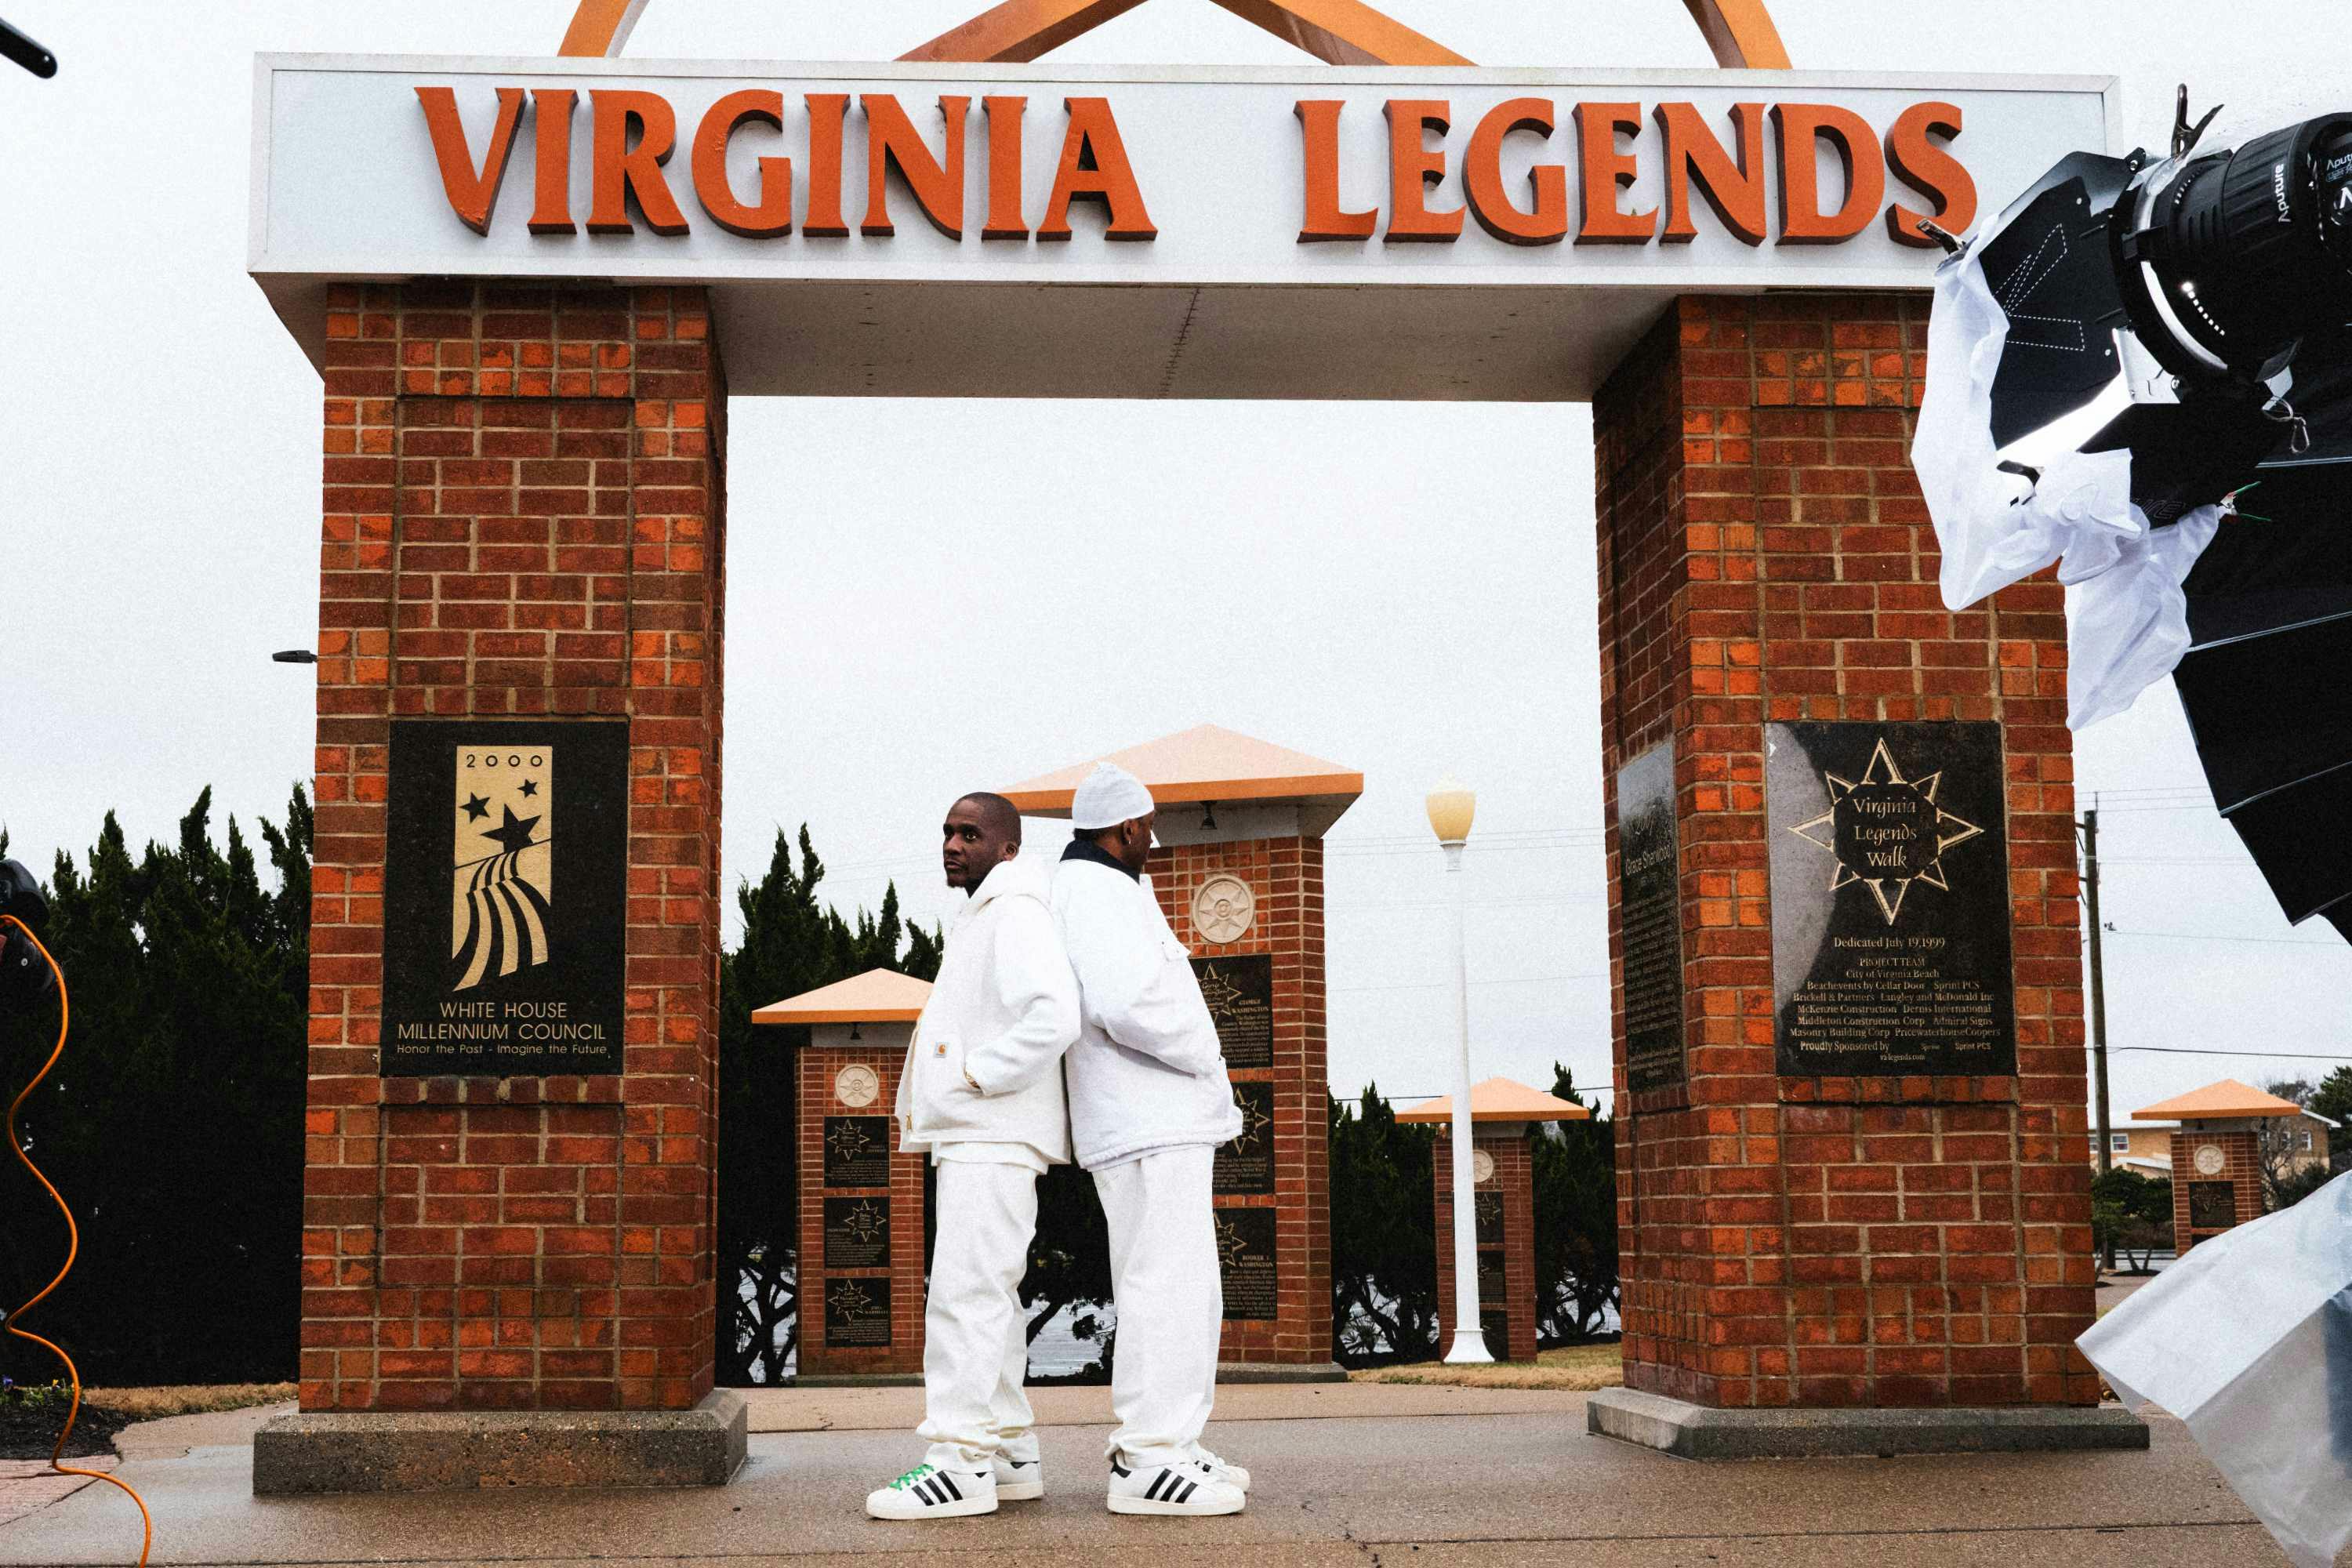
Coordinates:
1451 808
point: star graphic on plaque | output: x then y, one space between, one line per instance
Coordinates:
502 889
1220 993
848 1140
850 1301
1886 831
864 1221
1254 1119
1230 1245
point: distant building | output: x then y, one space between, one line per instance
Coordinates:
2147 1149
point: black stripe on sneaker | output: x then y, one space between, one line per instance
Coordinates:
931 1493
1157 1482
953 1491
923 1492
1186 1495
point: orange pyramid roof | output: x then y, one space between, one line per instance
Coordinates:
876 996
1202 764
1501 1100
2226 1100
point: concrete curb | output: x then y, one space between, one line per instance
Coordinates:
1280 1372
1696 1432
409 1451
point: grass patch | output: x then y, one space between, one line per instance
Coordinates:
187 1399
1575 1368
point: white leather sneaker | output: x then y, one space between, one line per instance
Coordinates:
1223 1469
925 1492
1019 1480
1186 1489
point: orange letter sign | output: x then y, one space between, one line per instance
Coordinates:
1931 171
550 210
891 140
1482 177
1414 171
1735 190
1318 121
1005 220
827 111
1801 125
620 171
774 215
1094 168
1607 172
471 193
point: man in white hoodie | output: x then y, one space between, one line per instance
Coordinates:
981 1090
1149 1102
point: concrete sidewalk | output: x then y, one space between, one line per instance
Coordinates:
1345 1474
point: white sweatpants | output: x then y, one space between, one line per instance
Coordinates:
975 1335
1171 1298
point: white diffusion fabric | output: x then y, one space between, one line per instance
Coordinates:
2248 1339
2128 621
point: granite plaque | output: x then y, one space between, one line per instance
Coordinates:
1890 900
2212 1205
1650 920
1495 1328
1239 995
1246 1165
857 1150
1246 1262
506 865
856 1313
1491 1283
1489 1209
857 1233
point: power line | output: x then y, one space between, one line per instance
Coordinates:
2199 936
2260 1056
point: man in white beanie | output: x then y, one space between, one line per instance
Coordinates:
981 1092
1149 1102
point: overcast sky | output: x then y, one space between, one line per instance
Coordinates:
1019 585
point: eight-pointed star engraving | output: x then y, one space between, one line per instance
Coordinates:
1886 830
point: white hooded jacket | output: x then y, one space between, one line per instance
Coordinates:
1003 1011
1147 1072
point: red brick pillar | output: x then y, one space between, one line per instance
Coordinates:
860 1321
1823 1239
1284 875
523 518
1506 1245
2218 1190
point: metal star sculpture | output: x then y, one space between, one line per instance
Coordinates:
1886 831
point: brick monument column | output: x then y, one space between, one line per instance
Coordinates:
514 922
1847 999
860 1196
2217 1156
1503 1115
1239 874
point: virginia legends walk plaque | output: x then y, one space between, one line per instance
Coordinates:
1239 995
1650 920
505 870
857 1152
857 1313
857 1233
1246 1260
1246 1165
1890 900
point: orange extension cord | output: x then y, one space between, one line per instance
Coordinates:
73 1249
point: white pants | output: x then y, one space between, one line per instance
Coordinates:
1171 1298
975 1335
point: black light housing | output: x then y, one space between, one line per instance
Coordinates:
17 47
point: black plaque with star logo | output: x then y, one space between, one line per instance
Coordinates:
857 1313
1239 995
1650 920
857 1150
2212 1205
857 1233
1246 1164
1245 1264
506 867
1890 900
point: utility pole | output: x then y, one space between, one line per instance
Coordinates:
2090 826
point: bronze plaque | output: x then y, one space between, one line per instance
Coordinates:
856 1313
1650 920
1246 1165
1246 1262
857 1233
1890 900
857 1150
1239 995
2212 1205
505 876
1488 1208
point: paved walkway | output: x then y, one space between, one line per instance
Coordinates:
1364 1475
